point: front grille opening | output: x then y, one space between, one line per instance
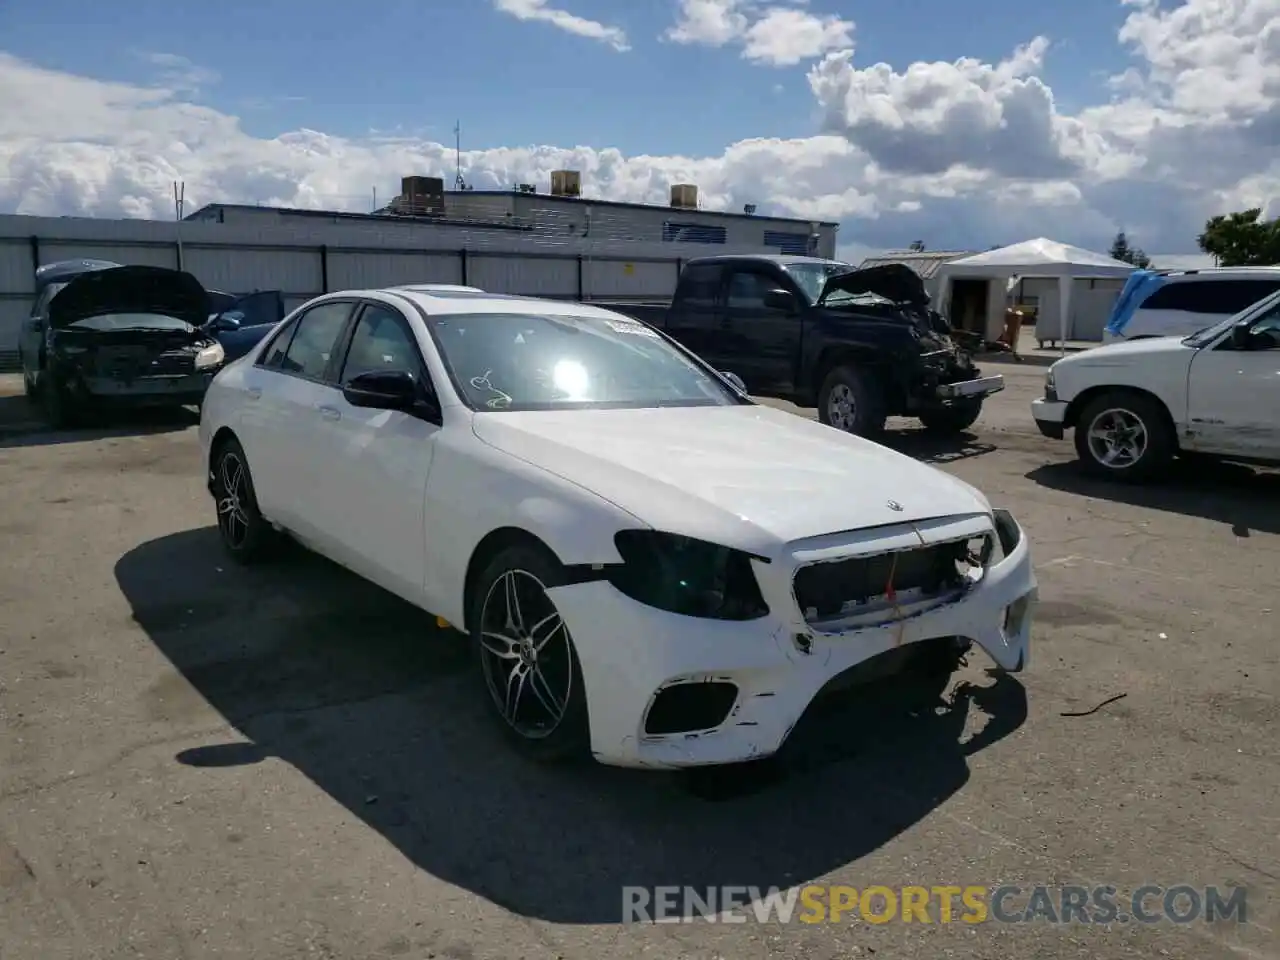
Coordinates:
837 588
689 707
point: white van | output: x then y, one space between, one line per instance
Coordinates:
1161 303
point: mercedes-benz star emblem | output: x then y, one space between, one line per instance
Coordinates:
895 506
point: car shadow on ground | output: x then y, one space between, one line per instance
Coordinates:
1243 498
935 448
22 424
367 698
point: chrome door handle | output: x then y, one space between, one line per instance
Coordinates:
254 392
330 413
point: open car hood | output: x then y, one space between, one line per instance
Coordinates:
893 281
131 289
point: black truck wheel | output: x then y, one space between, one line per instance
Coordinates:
953 418
852 400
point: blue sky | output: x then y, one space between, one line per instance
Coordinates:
413 67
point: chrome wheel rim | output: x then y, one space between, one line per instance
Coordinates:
842 409
526 654
1117 438
233 493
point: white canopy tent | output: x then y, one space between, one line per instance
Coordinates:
1034 258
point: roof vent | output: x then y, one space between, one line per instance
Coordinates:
684 196
420 197
566 183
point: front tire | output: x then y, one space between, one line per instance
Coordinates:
956 418
852 400
245 535
526 657
1124 436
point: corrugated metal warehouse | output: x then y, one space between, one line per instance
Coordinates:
557 245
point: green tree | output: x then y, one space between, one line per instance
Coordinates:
1242 239
1120 250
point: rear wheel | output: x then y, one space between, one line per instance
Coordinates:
245 535
852 400
954 418
527 657
1124 436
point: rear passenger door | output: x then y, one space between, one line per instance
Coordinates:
291 393
693 320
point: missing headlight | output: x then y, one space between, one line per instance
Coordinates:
686 576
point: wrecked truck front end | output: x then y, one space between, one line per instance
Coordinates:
684 692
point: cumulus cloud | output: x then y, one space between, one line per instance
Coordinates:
615 37
775 35
959 154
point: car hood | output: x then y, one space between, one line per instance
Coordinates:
893 281
1124 352
130 289
749 477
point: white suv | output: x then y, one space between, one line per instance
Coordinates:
1177 304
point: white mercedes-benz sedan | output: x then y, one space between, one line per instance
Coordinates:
651 568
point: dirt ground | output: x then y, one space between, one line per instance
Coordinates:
203 761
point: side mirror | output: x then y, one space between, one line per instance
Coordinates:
779 299
735 381
1240 337
225 322
390 390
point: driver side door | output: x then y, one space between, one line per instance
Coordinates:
1233 394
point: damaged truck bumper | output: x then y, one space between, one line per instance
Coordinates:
683 692
964 389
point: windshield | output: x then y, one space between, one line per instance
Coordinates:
812 276
106 322
1213 331
509 361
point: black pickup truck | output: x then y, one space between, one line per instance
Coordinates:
860 345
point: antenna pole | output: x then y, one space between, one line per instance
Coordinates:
458 182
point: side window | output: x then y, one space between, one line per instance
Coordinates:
1270 323
747 290
315 336
276 346
382 340
700 285
1173 296
1210 296
1245 293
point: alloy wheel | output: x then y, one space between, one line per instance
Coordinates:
233 494
842 408
526 654
1117 438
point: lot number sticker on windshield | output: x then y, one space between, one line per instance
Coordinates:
638 329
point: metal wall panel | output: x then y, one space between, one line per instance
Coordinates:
16 272
530 276
623 278
238 270
147 255
360 271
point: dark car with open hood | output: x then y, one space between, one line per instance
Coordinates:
860 345
104 335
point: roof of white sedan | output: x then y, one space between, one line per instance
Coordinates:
439 301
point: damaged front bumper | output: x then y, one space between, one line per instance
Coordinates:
966 389
741 687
